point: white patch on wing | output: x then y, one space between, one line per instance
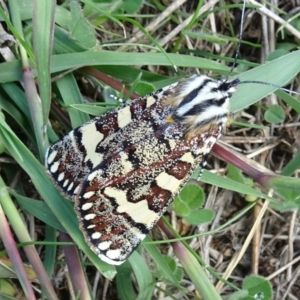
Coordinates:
108 260
70 186
89 217
51 156
91 137
187 157
137 234
76 190
113 254
87 206
139 211
88 194
61 176
168 182
96 235
150 100
172 144
124 116
104 245
54 167
94 174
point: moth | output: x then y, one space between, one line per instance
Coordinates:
124 168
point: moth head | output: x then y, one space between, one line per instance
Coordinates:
201 103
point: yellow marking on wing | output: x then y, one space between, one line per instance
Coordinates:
91 137
139 211
168 182
150 101
124 116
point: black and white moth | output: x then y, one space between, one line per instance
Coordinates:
124 168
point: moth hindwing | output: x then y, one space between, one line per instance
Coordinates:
124 168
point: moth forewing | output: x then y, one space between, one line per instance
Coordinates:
71 158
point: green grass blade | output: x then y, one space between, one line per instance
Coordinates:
70 94
43 28
279 71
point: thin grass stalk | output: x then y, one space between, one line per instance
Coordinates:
23 236
10 245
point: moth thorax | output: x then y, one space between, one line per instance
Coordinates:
202 103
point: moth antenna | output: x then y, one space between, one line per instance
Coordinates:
236 57
270 84
240 40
